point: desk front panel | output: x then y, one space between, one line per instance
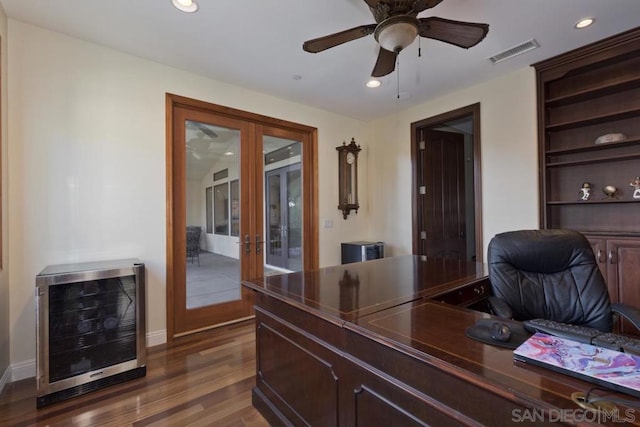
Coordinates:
304 377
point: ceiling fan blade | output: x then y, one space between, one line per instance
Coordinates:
326 42
385 64
206 130
372 3
463 34
421 5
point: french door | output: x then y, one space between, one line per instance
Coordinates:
217 235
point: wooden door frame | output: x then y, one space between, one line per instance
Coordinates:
472 110
174 187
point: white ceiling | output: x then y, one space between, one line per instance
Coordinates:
258 44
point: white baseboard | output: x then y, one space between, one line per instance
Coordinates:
156 338
22 370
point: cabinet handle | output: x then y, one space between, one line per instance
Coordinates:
612 258
599 256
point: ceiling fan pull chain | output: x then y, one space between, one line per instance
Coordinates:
398 75
419 49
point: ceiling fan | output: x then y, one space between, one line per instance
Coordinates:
397 26
200 144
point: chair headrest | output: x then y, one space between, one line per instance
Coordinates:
542 251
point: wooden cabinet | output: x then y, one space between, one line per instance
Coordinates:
619 262
584 95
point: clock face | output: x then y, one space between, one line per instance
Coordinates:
351 158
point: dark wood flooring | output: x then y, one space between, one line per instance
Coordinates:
203 379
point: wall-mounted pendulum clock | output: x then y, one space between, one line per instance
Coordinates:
348 177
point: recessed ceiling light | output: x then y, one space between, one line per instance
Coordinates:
584 22
373 83
185 5
229 153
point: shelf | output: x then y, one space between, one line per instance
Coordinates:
602 90
587 121
610 234
603 159
122 340
595 147
591 202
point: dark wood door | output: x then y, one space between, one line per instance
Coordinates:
444 202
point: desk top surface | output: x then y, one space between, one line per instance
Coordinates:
354 290
429 329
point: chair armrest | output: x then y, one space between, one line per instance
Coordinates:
500 308
632 314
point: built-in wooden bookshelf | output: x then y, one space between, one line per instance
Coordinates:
583 95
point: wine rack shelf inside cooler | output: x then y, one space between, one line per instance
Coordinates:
90 327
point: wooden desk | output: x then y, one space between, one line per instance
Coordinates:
350 291
380 351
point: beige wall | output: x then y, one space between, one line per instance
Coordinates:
87 172
4 275
509 159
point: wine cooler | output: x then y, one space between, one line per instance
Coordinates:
90 327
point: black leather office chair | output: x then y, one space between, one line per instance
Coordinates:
550 274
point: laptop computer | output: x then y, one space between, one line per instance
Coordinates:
607 368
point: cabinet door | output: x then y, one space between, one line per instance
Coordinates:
598 244
623 256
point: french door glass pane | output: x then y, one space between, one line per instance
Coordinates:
283 205
213 257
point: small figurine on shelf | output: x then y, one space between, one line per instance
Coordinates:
585 190
610 192
636 185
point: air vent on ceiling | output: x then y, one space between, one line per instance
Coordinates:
516 50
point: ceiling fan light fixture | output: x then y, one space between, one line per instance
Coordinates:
188 6
397 32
